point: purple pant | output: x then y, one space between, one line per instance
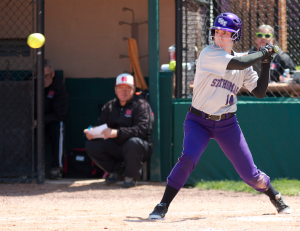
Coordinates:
197 133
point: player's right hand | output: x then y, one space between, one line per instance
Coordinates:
268 50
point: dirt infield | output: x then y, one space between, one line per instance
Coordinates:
92 205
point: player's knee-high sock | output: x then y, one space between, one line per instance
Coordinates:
169 195
271 192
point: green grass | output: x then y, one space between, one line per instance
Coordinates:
284 186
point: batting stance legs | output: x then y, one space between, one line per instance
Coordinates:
198 131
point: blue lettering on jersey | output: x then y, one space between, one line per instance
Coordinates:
223 83
213 82
219 82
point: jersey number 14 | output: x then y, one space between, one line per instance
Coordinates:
229 100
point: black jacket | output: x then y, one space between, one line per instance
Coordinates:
281 61
56 101
135 119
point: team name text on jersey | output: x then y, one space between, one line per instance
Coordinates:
223 83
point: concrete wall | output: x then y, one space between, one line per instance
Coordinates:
84 38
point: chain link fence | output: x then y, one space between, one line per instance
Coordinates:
17 21
198 16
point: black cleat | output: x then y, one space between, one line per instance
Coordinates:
129 182
159 212
55 173
112 178
280 205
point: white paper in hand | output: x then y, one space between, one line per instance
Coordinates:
96 131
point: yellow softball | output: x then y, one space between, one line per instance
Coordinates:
36 40
172 65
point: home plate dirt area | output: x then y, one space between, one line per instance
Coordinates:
68 204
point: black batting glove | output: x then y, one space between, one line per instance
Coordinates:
270 47
267 53
266 50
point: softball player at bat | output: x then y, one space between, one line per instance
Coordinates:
220 73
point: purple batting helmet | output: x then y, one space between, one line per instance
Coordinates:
229 22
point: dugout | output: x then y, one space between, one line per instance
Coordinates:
85 40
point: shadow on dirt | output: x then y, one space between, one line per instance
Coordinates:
31 189
141 219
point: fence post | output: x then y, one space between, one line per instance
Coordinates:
153 49
178 41
40 98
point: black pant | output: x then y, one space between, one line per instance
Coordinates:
54 132
108 155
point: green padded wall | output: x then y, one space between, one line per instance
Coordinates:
271 129
85 94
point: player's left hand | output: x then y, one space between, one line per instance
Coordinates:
109 133
269 49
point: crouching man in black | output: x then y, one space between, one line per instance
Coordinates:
127 140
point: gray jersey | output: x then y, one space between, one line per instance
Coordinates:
215 88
